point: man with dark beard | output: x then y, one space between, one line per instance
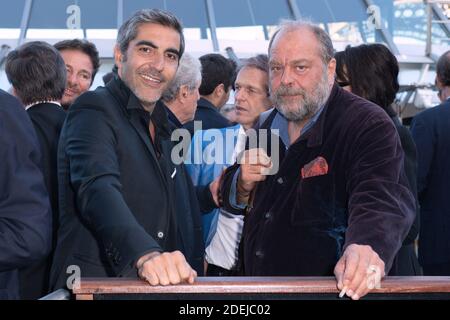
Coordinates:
339 202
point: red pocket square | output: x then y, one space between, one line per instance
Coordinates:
317 167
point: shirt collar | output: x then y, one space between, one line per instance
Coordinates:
172 117
129 101
28 106
202 102
308 125
281 123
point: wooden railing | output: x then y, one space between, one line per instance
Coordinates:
225 288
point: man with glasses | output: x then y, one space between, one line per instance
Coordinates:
221 229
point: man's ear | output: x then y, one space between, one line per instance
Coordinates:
118 57
183 92
15 94
219 90
331 70
13 91
438 83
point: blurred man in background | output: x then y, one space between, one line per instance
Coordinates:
430 130
82 63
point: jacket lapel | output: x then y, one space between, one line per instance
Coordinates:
137 121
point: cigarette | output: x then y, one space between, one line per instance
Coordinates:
343 292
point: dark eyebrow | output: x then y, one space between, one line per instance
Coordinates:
248 86
147 43
151 44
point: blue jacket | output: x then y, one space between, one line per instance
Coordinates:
25 215
203 169
430 130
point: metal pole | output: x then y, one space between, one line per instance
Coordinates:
443 19
25 20
232 55
4 50
294 9
429 34
423 72
119 13
212 24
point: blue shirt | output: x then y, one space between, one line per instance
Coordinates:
280 124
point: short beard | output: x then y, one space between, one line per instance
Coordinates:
307 105
146 104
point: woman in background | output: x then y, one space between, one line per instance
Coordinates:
371 71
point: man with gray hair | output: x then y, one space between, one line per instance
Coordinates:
222 230
340 201
126 208
182 94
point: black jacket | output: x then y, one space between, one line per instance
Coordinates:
47 119
119 192
210 117
406 262
25 216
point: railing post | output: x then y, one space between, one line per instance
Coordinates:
429 26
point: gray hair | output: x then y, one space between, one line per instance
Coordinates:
129 29
260 62
189 74
325 43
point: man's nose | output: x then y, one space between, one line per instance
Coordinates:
158 62
239 95
286 77
72 79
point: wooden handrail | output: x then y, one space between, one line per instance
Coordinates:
256 285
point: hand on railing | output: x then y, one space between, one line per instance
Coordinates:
165 268
359 270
